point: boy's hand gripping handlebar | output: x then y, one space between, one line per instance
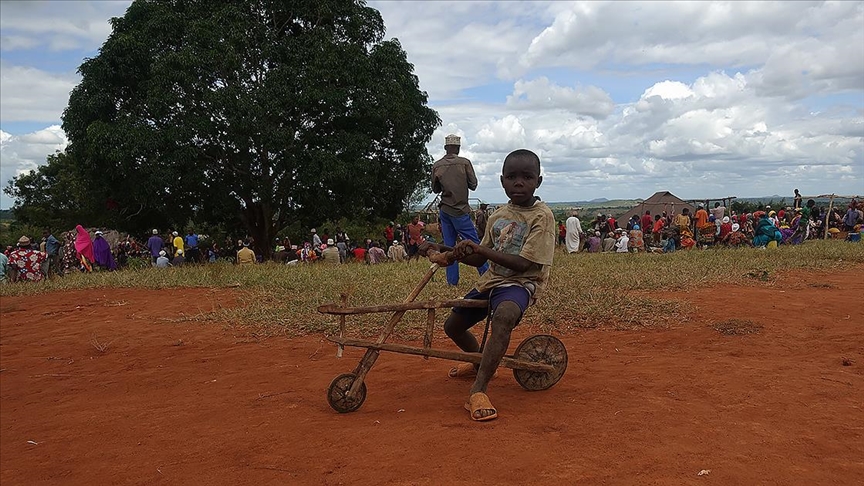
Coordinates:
463 249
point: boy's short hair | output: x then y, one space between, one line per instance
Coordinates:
524 154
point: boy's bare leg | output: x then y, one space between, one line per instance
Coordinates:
456 328
503 322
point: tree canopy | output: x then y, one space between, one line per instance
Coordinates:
265 111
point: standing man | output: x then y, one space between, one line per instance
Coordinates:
192 254
701 217
155 245
453 177
646 223
52 249
389 231
414 236
718 212
797 199
574 232
316 240
178 243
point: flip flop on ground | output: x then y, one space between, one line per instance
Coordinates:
481 408
465 370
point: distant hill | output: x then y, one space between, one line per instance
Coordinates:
599 200
6 215
604 203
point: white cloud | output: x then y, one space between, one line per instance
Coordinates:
23 153
500 136
668 90
30 94
16 42
542 94
750 98
804 46
712 137
460 45
60 26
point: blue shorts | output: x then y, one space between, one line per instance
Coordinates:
517 294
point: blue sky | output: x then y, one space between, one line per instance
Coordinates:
620 99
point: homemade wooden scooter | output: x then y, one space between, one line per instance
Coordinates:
538 362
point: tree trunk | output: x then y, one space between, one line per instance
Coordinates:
259 224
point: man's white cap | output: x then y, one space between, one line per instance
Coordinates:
452 140
155 232
174 233
313 230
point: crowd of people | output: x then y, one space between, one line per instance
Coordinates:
77 250
668 232
397 244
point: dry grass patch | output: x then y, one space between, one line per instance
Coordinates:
737 327
586 290
99 345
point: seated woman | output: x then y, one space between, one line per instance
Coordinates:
766 233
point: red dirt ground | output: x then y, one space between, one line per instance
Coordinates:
191 403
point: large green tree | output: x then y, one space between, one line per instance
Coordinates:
271 111
54 196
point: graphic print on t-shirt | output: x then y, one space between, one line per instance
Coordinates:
508 237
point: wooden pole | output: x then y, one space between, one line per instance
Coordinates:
371 355
507 361
341 348
397 316
827 216
405 306
430 327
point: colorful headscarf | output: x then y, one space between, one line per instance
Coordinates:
83 244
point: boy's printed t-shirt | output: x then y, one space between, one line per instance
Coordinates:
527 232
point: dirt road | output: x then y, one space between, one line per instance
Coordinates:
177 402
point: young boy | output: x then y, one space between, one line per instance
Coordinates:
519 244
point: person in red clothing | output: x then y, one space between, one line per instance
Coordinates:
415 237
725 228
388 233
657 231
562 233
646 223
359 254
612 223
25 264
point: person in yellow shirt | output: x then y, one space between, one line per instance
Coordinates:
246 256
178 243
682 221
